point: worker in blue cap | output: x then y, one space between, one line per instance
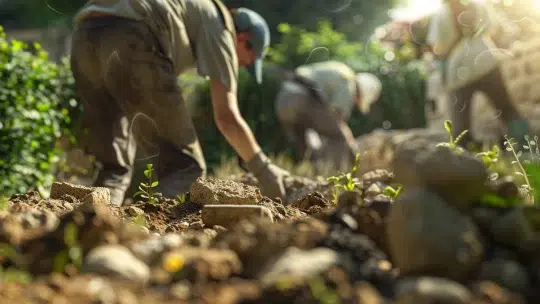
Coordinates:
125 58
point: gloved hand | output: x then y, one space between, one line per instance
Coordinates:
270 176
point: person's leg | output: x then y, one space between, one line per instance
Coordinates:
105 132
143 82
494 87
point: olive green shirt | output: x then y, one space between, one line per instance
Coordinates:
191 33
337 82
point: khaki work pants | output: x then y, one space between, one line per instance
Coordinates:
130 96
493 86
298 111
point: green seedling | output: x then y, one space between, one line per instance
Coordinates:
147 190
525 188
490 157
391 192
345 181
181 198
452 143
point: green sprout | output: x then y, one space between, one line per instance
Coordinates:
393 192
147 190
452 143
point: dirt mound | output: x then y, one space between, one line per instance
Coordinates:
426 245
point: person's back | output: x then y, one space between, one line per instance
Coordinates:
336 80
178 25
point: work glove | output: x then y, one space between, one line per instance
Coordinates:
270 176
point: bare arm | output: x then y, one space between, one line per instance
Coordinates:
231 123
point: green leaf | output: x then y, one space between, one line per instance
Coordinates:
448 126
155 184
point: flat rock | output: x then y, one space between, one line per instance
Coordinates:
115 260
212 191
229 215
426 236
302 264
94 195
429 290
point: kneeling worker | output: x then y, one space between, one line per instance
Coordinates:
125 58
320 97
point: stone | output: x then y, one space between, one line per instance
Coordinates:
516 229
134 211
94 195
118 261
210 263
428 290
151 249
378 175
504 187
229 215
507 273
309 200
302 264
459 178
425 235
213 191
373 190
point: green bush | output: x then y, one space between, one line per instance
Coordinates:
36 103
401 102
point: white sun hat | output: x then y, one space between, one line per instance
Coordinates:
370 90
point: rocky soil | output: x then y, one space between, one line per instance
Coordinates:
437 241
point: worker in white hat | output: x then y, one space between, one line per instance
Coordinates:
320 97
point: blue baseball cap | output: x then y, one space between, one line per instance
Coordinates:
246 20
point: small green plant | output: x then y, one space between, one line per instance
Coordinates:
526 188
393 192
452 143
490 157
181 198
140 220
147 190
346 181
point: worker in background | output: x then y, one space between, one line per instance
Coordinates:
126 56
320 97
459 36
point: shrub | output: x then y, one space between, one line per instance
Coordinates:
36 102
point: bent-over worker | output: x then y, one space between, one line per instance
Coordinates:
126 56
320 96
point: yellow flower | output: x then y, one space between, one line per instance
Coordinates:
173 262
